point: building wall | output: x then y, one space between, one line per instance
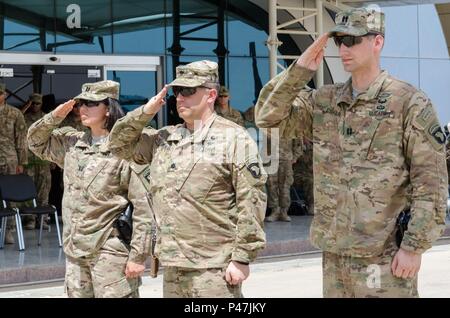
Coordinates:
415 50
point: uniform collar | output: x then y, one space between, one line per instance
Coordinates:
345 95
85 143
181 132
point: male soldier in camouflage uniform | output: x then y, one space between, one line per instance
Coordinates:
98 187
206 187
279 183
303 173
249 116
37 168
378 151
13 151
224 109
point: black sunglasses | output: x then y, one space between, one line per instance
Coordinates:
185 91
349 40
90 103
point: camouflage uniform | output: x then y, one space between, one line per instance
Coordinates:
206 188
249 116
231 113
36 168
374 157
303 173
279 183
98 187
13 151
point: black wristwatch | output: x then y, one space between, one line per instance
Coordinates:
243 263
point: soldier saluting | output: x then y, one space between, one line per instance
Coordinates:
378 152
206 187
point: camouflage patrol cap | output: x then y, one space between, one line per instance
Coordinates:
359 21
36 98
223 91
99 91
198 73
2 87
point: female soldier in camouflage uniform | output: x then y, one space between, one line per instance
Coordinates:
98 262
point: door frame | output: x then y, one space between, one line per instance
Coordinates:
109 62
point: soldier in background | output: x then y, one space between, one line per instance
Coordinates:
206 187
100 263
36 168
13 149
249 117
447 148
224 109
279 183
378 154
303 173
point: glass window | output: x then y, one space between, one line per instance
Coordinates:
241 75
199 47
135 87
239 37
138 33
28 26
435 82
21 37
84 26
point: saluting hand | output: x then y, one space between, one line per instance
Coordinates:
156 102
313 55
64 109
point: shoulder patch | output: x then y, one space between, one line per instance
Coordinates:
425 117
427 122
254 170
436 132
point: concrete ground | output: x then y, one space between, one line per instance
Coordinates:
296 276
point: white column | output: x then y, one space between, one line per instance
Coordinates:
319 29
272 42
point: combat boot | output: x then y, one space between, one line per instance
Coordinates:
284 216
9 237
274 215
30 223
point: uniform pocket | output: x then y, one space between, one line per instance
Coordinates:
385 140
199 181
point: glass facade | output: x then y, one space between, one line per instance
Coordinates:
144 28
416 51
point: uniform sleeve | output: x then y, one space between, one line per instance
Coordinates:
424 146
249 179
286 102
297 149
49 142
20 135
142 214
240 119
130 141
